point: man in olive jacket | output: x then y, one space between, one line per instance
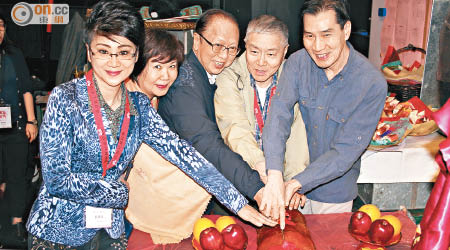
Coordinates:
188 107
243 96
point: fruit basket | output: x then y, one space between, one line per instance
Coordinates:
221 226
366 239
368 226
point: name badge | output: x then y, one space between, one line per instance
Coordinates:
5 116
97 217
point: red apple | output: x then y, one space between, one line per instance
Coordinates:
360 223
235 237
211 239
381 231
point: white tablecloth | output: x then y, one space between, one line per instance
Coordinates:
411 161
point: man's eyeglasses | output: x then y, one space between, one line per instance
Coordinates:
217 48
124 54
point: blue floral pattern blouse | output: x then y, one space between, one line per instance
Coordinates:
72 168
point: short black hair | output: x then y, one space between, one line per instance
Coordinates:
208 16
162 46
115 17
340 7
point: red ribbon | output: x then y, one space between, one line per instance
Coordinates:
258 108
101 129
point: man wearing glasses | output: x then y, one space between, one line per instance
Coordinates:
188 107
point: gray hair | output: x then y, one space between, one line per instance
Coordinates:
267 24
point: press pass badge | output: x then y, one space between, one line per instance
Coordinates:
97 217
5 116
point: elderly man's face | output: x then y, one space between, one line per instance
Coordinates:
265 53
219 31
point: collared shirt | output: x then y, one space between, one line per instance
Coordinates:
340 117
263 106
211 78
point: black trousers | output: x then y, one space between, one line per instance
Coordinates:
13 170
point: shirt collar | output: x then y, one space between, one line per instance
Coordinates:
348 65
274 80
211 78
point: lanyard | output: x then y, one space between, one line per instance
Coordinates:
101 129
259 110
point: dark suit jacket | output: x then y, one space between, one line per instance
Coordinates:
188 109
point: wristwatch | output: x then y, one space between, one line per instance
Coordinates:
34 122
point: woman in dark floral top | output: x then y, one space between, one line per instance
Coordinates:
92 129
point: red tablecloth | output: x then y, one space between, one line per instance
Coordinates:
328 231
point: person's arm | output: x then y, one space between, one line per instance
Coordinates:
184 110
158 136
276 132
25 86
56 146
350 141
30 129
232 119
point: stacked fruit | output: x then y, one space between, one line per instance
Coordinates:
225 234
368 225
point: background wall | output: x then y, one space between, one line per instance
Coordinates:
430 88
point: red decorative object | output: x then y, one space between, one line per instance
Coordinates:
294 237
434 228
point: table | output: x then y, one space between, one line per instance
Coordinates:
328 231
402 175
411 161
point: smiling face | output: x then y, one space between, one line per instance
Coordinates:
219 31
111 71
265 53
325 41
157 77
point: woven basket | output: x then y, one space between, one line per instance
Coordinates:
425 128
405 83
404 91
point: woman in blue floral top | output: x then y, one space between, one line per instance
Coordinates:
91 130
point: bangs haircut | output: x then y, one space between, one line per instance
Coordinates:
161 46
115 18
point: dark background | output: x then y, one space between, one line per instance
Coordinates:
42 49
